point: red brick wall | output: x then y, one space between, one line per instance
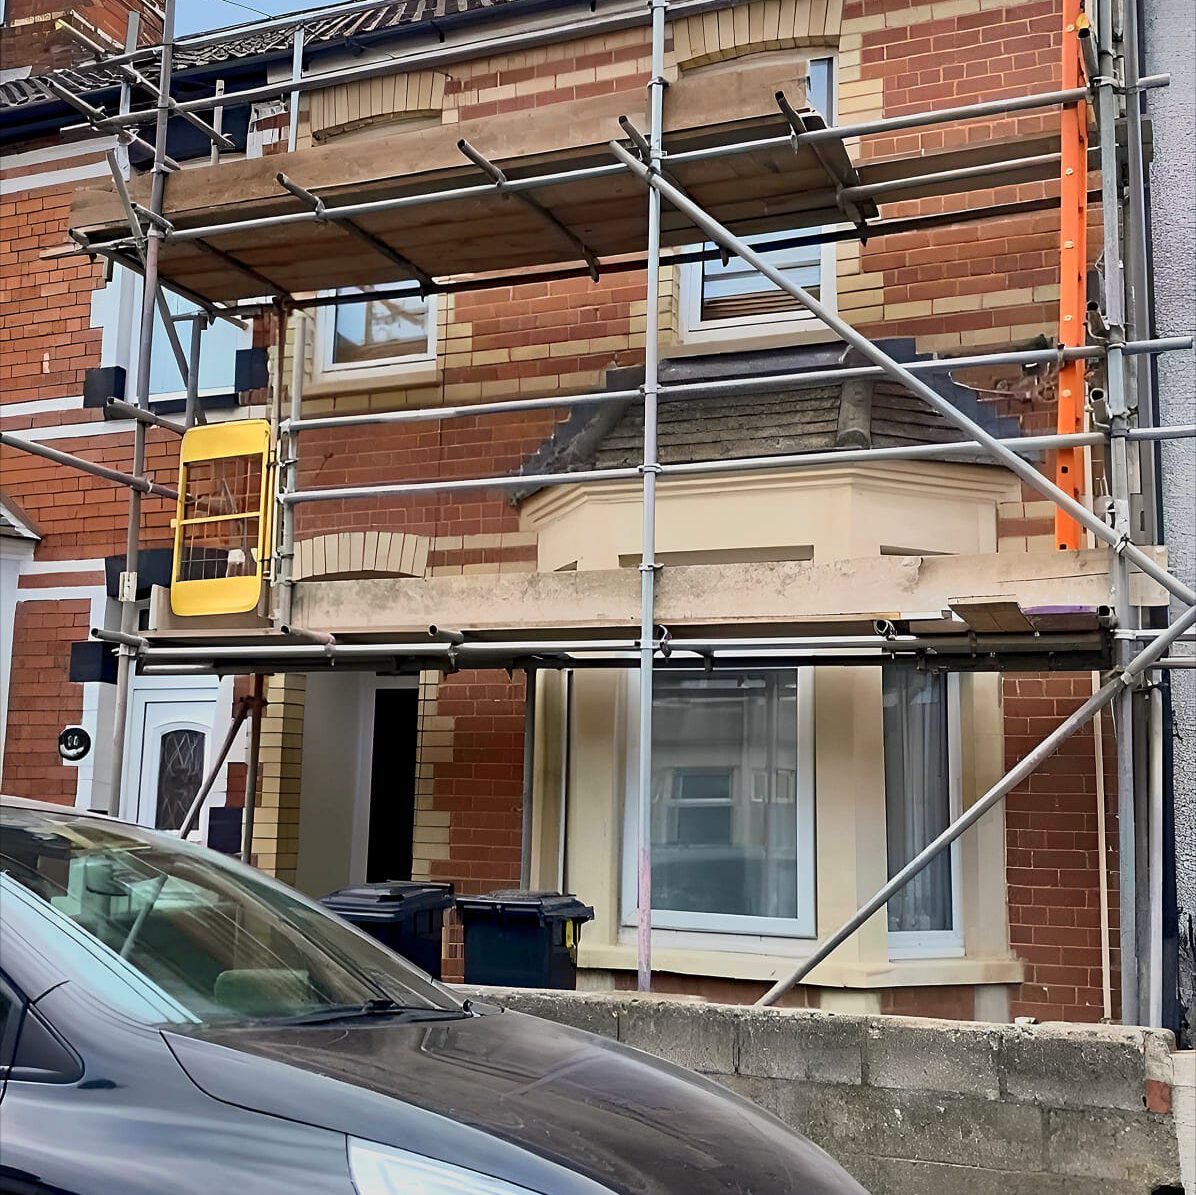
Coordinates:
45 307
46 345
29 36
1052 853
41 698
481 788
974 57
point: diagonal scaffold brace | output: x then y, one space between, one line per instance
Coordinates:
1121 682
1119 542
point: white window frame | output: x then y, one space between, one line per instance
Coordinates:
326 368
805 925
119 317
943 943
696 330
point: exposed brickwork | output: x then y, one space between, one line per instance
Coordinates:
30 33
721 991
469 788
276 810
1052 854
47 701
45 308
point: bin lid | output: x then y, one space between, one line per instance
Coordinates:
546 906
389 900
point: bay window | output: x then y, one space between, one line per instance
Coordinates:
219 343
732 803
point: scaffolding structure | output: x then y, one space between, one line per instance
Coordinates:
1100 73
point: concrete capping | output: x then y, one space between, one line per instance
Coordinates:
913 1105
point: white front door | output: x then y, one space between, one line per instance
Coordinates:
170 749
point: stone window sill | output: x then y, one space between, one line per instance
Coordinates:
883 974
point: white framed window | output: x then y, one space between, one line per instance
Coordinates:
732 802
375 335
733 299
116 309
923 795
219 343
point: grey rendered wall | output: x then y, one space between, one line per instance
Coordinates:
1169 35
922 1107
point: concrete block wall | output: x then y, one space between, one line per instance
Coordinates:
921 1107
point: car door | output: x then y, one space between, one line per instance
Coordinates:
11 1008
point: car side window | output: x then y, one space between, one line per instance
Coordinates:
12 1009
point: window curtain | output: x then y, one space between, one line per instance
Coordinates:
917 795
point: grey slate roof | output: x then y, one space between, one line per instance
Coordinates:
321 32
854 413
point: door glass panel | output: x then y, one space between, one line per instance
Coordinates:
180 773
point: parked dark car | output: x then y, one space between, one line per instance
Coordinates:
175 1023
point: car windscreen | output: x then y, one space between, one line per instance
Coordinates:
222 942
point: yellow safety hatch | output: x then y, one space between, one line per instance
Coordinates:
222 528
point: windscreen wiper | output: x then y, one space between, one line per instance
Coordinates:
371 1008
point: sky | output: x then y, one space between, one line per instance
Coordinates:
194 16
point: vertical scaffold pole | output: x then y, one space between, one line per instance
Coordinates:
252 766
297 44
194 411
650 469
1073 270
288 473
149 296
1119 487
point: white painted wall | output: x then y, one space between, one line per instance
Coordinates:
334 723
15 554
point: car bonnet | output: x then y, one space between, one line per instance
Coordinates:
553 1108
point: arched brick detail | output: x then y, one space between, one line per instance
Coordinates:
358 105
352 554
754 27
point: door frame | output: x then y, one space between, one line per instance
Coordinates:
359 849
178 690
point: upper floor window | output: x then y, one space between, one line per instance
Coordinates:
219 343
732 803
116 310
922 798
376 334
720 299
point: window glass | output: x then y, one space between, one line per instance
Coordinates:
211 937
724 817
917 795
736 290
218 346
377 331
180 774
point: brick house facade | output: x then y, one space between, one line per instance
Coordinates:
962 288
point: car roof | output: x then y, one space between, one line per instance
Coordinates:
10 802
